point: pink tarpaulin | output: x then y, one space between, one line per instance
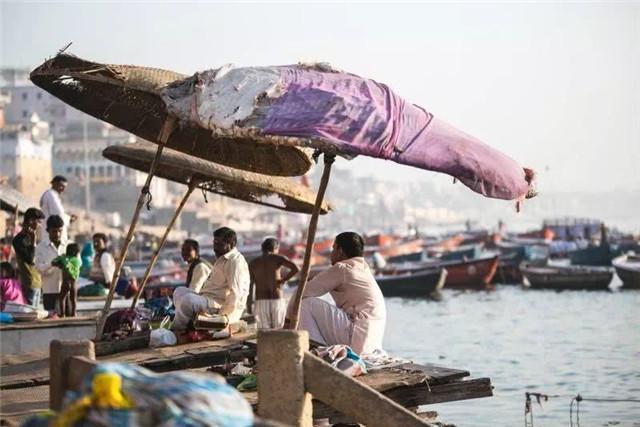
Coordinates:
357 116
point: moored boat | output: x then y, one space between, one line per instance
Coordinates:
570 277
473 274
421 284
460 253
628 270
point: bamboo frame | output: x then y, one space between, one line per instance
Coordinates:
292 322
168 126
193 183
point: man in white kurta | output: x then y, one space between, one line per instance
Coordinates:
51 204
225 291
359 315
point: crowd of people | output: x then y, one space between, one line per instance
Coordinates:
45 265
355 315
340 305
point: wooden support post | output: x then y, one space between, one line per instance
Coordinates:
352 398
192 186
167 128
60 354
281 390
292 322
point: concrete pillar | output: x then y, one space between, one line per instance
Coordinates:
281 389
59 354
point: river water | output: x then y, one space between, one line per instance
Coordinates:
556 343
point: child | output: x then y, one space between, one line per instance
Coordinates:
70 265
10 288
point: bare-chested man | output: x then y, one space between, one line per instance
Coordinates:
270 306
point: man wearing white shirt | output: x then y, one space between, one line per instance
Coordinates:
224 293
104 265
51 203
46 251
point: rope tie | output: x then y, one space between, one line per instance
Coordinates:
147 196
528 409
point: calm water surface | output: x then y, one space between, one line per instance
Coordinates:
557 343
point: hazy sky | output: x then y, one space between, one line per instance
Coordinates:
555 86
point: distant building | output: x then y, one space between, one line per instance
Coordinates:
114 188
25 156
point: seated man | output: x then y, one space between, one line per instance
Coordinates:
225 291
199 269
359 315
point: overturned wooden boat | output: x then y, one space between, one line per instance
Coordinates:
421 284
129 97
570 277
277 192
628 270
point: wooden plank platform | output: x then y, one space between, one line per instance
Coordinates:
26 370
409 384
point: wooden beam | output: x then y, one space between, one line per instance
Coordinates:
450 392
292 322
418 395
79 368
192 186
61 353
282 395
168 127
352 398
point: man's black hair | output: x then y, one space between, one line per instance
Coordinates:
270 244
226 234
8 268
351 243
33 213
193 244
58 178
100 236
54 221
72 249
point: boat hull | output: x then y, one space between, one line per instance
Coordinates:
475 274
568 278
422 284
628 272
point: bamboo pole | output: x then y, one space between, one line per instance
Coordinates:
292 322
165 132
192 186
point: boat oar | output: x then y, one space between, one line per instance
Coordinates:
292 322
168 126
193 183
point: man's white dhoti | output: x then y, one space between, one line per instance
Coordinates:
187 305
359 315
270 313
325 322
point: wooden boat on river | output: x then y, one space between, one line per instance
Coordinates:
422 284
570 277
473 274
628 270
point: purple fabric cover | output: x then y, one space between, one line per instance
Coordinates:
361 116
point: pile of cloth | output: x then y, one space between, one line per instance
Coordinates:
343 358
127 395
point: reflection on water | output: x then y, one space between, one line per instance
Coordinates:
557 343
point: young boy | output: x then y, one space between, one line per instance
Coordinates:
70 265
